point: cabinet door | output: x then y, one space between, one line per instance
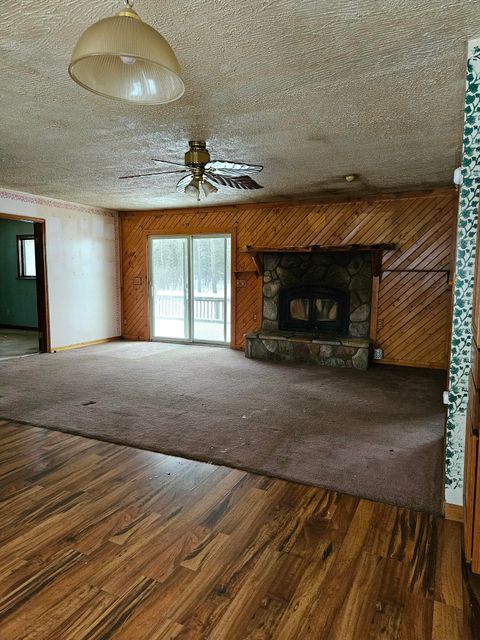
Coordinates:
473 414
471 482
476 294
469 489
475 364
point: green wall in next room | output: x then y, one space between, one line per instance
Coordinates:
18 298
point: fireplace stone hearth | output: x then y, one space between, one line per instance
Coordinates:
350 353
303 294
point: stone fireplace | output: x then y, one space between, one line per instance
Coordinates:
316 308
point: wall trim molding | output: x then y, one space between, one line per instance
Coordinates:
18 326
79 345
20 196
405 363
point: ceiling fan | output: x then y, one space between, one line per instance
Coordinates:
204 176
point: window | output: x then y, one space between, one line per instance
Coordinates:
26 257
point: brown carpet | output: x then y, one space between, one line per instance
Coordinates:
376 434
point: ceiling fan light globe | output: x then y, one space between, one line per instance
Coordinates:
126 59
193 190
208 188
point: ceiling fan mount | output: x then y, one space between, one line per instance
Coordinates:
205 176
197 155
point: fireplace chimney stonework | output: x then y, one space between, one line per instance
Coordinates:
347 275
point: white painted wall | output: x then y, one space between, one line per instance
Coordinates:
83 269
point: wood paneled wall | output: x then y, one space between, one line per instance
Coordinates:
414 295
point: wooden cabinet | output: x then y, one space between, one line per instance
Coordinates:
471 483
470 499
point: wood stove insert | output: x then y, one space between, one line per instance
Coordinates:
314 309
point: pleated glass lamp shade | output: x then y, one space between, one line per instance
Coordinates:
126 59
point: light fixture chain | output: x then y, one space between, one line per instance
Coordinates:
129 3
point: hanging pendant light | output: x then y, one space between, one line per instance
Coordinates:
126 59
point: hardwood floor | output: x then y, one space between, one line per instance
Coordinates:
103 541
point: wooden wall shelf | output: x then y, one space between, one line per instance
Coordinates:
376 249
312 248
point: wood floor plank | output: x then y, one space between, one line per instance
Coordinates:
45 625
449 583
306 597
385 622
103 541
448 622
53 594
417 618
354 616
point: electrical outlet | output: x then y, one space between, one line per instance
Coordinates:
241 284
379 324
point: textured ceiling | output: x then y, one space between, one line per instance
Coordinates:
311 89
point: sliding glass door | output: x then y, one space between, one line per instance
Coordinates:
169 292
211 288
190 290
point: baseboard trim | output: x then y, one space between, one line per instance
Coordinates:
453 512
79 345
20 327
404 363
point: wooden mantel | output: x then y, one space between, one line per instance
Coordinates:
376 249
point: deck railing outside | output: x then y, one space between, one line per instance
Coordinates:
207 307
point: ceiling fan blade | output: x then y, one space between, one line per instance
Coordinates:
178 164
156 173
184 182
232 169
239 182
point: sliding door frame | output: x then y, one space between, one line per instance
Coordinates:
191 297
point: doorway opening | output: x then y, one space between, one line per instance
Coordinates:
190 288
23 297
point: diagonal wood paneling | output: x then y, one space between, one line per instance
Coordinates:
415 317
414 295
